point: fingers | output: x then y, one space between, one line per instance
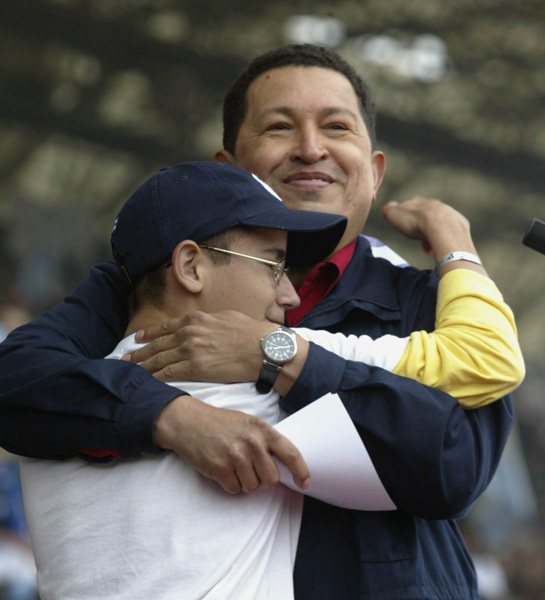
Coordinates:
249 477
244 454
401 215
168 357
266 471
165 366
232 448
256 469
228 481
221 347
252 456
155 331
288 454
171 337
388 207
167 336
416 216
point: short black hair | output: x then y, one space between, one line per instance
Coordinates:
151 287
235 104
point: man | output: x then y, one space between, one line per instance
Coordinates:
305 125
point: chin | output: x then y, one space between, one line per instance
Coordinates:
307 202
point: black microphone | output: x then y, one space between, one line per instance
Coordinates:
535 236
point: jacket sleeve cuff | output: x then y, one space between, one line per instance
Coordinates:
136 436
322 373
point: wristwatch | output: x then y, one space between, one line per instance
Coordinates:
279 347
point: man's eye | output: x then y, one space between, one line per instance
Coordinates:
337 126
277 127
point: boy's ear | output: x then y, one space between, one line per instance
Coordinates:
187 266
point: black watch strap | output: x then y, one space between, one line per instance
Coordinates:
267 377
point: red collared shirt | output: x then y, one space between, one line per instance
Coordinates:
319 282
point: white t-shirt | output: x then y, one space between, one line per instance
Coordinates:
153 528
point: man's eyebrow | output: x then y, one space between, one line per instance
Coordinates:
337 110
326 111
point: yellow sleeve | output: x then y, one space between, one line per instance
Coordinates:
474 353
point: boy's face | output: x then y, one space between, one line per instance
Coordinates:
247 285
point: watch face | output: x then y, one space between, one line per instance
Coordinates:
279 346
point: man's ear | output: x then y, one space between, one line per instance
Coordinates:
224 156
378 165
187 266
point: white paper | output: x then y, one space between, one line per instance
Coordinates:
341 471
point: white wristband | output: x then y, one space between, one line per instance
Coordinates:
451 256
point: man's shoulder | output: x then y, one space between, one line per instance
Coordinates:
374 290
383 265
388 290
380 250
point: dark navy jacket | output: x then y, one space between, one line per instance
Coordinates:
433 458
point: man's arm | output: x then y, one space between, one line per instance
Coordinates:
59 398
473 354
231 447
56 398
434 475
433 458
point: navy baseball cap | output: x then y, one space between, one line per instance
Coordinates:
196 200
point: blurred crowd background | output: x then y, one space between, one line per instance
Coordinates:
95 95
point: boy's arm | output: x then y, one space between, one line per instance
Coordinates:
475 330
473 354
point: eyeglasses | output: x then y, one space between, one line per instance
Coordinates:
278 268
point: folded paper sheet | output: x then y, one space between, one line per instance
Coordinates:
341 471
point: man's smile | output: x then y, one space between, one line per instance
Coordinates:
309 180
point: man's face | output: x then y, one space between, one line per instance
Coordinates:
247 285
304 135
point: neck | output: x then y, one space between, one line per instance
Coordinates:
146 317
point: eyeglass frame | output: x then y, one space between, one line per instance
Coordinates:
278 269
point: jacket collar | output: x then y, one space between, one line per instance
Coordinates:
368 284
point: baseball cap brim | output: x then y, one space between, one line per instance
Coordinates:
199 199
312 236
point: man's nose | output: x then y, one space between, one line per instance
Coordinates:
309 146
